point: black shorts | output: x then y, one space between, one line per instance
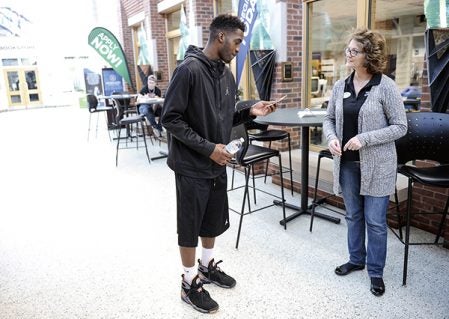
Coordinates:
202 208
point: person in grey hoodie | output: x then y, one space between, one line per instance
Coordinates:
364 117
198 114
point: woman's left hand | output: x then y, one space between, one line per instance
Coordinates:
353 144
262 108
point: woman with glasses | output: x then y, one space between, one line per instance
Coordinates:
364 117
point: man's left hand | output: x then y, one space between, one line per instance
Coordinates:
262 108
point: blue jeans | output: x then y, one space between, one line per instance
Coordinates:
147 111
360 211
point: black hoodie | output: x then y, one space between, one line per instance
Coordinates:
199 112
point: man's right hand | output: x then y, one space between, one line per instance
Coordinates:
220 155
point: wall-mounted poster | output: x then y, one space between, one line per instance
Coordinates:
112 81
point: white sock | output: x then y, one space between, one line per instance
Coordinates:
206 256
190 273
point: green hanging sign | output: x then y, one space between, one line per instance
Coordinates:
107 45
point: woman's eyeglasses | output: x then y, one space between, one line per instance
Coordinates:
352 52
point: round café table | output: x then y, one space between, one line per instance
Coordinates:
289 117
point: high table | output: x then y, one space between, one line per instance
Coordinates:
289 117
151 101
122 100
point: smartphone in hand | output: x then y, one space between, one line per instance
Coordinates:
277 101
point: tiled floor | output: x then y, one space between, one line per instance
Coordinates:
80 238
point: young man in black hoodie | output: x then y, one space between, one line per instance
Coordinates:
198 114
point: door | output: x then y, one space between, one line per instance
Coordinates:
23 87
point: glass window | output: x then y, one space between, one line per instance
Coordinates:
173 46
13 81
226 6
29 61
10 62
16 99
330 22
34 97
30 77
173 20
263 33
142 55
403 24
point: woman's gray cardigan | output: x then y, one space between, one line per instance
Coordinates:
381 121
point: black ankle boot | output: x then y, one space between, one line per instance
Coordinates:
377 286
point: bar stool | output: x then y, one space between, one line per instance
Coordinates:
266 135
320 201
92 101
126 122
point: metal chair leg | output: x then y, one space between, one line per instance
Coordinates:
96 126
407 232
88 129
266 166
254 184
314 204
118 143
232 179
290 162
282 191
145 141
247 172
396 199
106 121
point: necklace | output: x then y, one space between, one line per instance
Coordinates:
358 85
361 83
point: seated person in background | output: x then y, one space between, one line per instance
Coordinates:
150 111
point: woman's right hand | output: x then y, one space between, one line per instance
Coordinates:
334 147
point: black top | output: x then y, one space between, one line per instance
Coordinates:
146 90
199 112
351 107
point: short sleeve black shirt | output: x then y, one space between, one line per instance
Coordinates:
351 108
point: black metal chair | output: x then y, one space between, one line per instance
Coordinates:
426 139
320 201
264 134
246 157
92 103
127 104
127 122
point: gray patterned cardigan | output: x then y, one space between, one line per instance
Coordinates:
381 121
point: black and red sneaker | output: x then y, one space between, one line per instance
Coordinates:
198 297
213 274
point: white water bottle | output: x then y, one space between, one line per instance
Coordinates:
234 145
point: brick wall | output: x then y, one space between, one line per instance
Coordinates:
126 39
204 15
157 26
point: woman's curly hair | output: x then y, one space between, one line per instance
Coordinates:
374 46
